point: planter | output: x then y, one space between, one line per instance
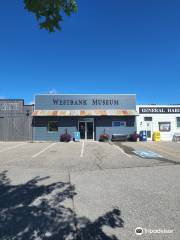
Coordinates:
103 140
133 137
65 137
104 137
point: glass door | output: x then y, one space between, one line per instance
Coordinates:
82 130
149 130
86 129
90 130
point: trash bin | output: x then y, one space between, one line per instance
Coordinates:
143 136
156 136
76 136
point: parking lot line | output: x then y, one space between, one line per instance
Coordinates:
82 150
122 151
37 154
13 147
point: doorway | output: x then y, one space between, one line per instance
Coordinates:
149 130
86 129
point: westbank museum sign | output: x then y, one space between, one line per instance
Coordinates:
85 102
159 110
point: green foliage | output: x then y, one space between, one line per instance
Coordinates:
49 12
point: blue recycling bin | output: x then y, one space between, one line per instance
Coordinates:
143 136
76 136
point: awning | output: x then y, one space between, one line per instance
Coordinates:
82 113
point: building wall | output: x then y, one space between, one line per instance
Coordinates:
70 124
104 124
64 123
159 117
15 120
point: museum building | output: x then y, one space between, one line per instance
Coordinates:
91 115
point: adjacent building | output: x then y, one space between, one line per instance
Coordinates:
91 115
15 120
163 118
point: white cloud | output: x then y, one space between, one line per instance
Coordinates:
2 97
32 102
53 91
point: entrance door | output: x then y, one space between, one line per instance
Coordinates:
82 129
89 129
149 130
86 129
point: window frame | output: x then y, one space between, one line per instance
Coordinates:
49 124
177 122
159 123
145 119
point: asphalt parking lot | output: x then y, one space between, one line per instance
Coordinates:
89 190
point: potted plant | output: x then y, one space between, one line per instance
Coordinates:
65 137
134 137
104 137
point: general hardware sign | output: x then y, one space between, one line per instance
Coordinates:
159 110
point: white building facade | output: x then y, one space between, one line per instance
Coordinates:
163 118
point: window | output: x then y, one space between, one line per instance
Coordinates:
148 119
119 124
130 122
164 126
178 122
52 126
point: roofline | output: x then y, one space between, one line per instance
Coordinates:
158 105
15 100
12 99
84 94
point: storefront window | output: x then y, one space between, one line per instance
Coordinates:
178 122
52 126
130 122
119 124
164 126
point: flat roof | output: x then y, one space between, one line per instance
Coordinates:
84 94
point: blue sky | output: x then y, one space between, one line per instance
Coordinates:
118 46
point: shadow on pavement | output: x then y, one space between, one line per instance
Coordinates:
93 230
127 149
31 211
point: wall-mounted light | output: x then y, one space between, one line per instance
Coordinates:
27 112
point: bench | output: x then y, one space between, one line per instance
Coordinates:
176 137
119 137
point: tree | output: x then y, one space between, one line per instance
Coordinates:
49 13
